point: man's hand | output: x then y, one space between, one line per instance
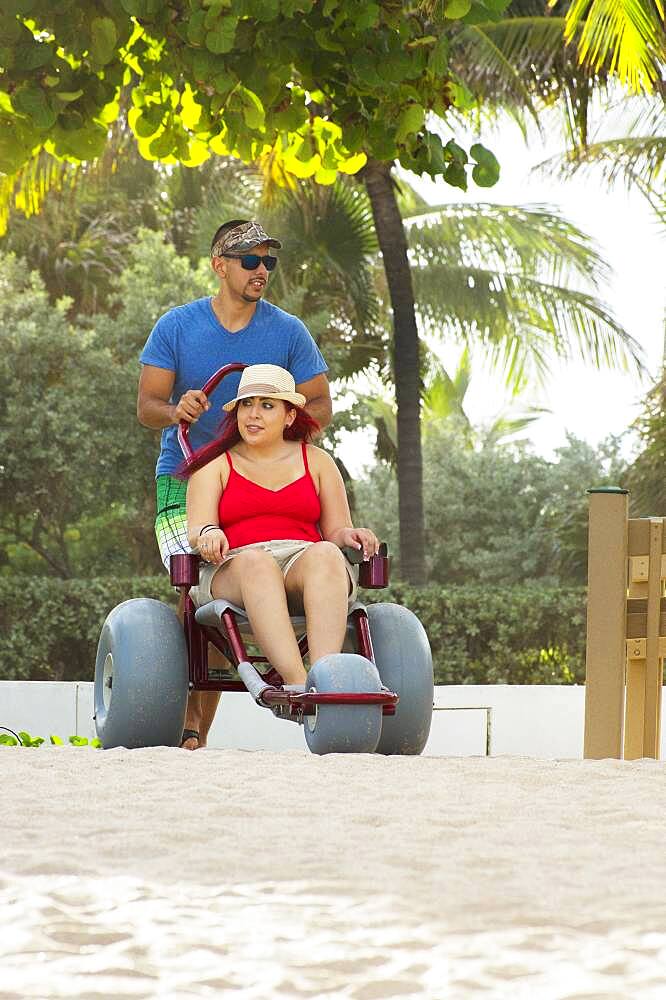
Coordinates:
153 406
190 406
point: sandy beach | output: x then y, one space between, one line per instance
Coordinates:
158 873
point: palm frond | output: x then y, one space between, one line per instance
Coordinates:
521 322
26 190
520 64
234 194
526 239
629 159
501 61
330 244
626 35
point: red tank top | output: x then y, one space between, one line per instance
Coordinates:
252 513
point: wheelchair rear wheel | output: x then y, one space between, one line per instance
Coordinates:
404 661
141 676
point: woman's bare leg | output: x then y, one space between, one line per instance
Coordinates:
320 578
253 580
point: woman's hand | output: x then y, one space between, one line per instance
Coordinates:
359 538
213 545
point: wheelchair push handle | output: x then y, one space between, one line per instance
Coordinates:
207 389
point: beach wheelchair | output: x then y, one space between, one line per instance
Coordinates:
375 696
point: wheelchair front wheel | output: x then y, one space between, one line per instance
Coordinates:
343 728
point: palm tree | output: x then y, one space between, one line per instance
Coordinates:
443 408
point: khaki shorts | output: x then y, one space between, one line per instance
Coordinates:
285 554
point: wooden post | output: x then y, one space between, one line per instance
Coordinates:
606 623
653 664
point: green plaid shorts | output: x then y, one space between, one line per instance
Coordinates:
171 517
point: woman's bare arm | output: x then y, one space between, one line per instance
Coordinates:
204 490
335 522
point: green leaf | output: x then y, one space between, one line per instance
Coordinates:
460 96
213 13
10 29
163 145
6 740
221 38
104 38
410 120
438 61
382 142
291 119
455 9
67 96
487 170
196 29
306 150
363 65
147 124
252 108
455 152
15 145
78 741
354 137
368 17
56 741
96 743
324 41
204 64
30 100
456 176
82 144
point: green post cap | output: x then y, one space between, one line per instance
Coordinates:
607 489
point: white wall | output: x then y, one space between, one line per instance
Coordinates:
526 720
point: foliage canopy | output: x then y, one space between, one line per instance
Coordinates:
312 88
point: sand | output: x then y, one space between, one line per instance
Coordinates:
161 873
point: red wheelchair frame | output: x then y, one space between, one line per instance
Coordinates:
227 638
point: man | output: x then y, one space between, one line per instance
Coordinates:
185 347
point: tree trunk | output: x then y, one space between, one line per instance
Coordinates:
376 176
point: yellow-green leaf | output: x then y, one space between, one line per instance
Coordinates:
410 120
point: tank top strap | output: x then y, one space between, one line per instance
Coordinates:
229 460
304 449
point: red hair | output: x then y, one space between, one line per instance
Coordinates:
303 428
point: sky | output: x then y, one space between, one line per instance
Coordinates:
582 401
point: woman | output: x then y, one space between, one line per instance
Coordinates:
268 513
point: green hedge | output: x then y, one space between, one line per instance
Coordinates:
479 635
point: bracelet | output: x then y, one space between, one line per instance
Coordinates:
207 527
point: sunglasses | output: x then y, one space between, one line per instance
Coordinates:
251 261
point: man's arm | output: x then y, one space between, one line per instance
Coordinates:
318 395
153 407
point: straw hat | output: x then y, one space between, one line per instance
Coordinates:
269 382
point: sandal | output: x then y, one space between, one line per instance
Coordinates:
189 734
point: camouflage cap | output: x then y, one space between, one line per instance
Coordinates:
243 238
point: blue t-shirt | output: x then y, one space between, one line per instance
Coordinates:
190 341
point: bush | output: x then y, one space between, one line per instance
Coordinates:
522 634
49 628
479 635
